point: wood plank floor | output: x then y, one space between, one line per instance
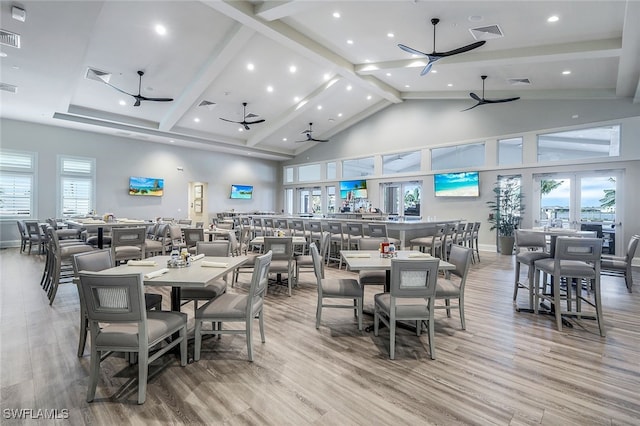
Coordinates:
506 368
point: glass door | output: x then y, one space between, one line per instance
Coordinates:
310 200
402 198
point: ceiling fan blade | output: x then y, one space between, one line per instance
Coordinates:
137 101
475 97
118 89
255 122
462 49
411 50
432 60
246 126
498 101
144 98
230 121
319 140
478 104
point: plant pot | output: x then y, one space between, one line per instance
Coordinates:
506 245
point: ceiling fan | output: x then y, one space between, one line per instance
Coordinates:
310 138
435 56
137 97
483 101
244 121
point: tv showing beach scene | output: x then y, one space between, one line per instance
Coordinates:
146 186
241 192
461 184
352 189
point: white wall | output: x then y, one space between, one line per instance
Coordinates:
119 158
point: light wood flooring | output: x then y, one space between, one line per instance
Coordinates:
506 368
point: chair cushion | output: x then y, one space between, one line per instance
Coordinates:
343 287
305 260
153 245
127 251
614 263
93 240
279 266
209 292
447 288
405 307
159 324
372 277
424 241
68 251
529 257
68 233
568 268
227 306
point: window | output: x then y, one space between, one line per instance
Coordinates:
331 170
405 162
509 151
458 157
310 172
17 177
358 168
331 199
77 177
578 144
288 174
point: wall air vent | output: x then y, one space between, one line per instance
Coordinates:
8 88
519 81
207 104
10 39
486 33
97 75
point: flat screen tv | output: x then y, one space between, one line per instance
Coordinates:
146 186
461 184
351 189
241 192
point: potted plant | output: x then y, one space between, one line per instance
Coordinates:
506 212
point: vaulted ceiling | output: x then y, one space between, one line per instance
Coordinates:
330 63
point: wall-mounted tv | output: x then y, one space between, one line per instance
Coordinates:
146 186
461 184
241 192
351 189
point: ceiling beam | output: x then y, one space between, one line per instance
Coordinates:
628 82
243 12
216 63
273 10
534 54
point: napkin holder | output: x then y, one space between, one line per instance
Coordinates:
177 263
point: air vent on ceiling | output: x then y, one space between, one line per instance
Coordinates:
9 88
10 39
519 81
97 75
486 33
207 104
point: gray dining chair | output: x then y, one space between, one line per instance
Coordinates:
119 322
372 277
335 288
452 287
304 262
530 246
620 266
411 298
218 248
282 258
234 308
128 243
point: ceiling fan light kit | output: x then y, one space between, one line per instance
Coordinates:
436 56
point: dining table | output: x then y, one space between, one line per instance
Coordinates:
198 274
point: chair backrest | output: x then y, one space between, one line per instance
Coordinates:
259 282
128 236
281 224
334 228
318 270
245 221
93 261
297 225
582 249
234 245
377 230
184 222
199 224
33 229
371 243
631 248
476 230
175 233
460 257
218 248
530 240
113 298
314 226
22 229
324 244
593 227
355 229
282 247
414 278
192 236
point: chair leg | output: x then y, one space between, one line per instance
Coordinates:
376 321
598 306
628 279
261 322
392 338
198 340
183 346
94 371
432 345
556 301
318 312
359 302
461 311
143 373
84 329
248 331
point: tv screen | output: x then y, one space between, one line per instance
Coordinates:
351 189
462 184
241 192
146 186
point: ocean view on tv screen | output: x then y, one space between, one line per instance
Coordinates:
462 184
242 192
146 186
350 189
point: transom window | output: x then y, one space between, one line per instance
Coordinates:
17 178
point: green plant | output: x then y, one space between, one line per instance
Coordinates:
507 208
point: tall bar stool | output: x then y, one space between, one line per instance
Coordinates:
534 245
474 242
337 242
430 243
575 259
355 233
379 230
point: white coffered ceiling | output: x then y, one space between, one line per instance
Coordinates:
301 51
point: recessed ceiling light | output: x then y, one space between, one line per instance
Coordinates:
240 129
450 85
369 97
391 35
367 61
349 87
269 89
319 107
339 114
172 141
553 18
161 29
296 99
123 103
575 116
349 41
434 71
566 72
336 14
197 120
293 69
388 74
250 66
413 55
327 76
284 139
407 86
475 18
3 55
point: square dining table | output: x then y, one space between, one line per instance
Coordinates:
193 276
